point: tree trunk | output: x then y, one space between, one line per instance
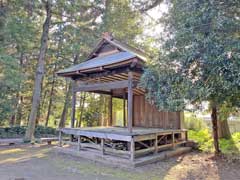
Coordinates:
12 120
43 97
41 107
54 79
82 102
39 75
20 97
65 106
223 129
67 98
51 97
215 129
19 111
50 103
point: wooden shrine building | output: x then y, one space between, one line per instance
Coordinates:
114 69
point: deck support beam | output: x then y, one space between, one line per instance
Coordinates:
132 149
60 138
102 146
79 143
173 140
156 144
130 101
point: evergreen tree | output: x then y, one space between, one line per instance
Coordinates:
199 58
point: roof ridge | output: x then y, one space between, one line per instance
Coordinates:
116 42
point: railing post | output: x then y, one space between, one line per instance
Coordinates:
102 146
132 149
173 139
79 143
60 138
156 144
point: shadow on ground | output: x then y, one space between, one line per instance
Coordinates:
40 162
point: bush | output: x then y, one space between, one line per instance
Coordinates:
203 138
19 132
191 122
205 141
231 146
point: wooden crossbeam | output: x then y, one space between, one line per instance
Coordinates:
102 86
143 144
161 138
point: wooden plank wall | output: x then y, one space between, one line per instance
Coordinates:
147 115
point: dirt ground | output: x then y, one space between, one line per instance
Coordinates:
40 162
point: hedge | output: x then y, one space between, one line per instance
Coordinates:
19 131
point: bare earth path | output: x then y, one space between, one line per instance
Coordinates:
41 163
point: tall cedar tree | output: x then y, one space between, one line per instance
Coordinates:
39 74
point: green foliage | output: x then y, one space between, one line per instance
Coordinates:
231 146
18 35
19 131
191 122
10 79
225 110
204 139
122 20
76 27
199 57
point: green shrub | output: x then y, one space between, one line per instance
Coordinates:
205 141
231 146
19 131
203 138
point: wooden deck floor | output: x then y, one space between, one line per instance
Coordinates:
119 141
122 130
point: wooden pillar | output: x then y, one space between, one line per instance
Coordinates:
156 144
124 108
60 138
73 106
132 149
102 146
130 101
79 143
110 110
173 139
73 109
